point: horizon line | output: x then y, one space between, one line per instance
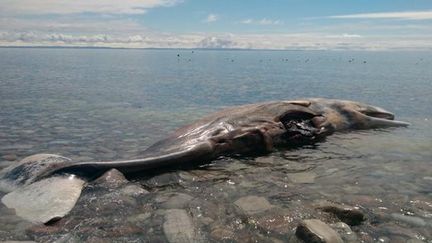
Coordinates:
209 49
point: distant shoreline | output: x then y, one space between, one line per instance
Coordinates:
202 49
154 48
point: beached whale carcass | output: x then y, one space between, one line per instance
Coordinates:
254 128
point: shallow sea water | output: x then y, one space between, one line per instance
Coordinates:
101 104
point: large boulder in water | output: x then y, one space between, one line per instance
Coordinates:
46 200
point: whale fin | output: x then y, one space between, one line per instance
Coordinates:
305 103
375 122
28 169
195 153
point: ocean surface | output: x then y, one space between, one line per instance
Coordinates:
109 104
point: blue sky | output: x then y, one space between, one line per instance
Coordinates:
259 24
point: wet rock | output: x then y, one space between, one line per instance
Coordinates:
177 200
414 241
348 236
94 239
292 238
316 231
204 208
222 233
139 217
351 189
206 220
133 190
123 230
203 175
393 229
347 214
246 235
303 177
14 230
411 220
41 229
422 203
163 180
10 157
274 222
383 239
178 227
112 179
365 201
15 241
67 238
45 200
253 204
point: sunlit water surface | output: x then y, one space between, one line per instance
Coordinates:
100 104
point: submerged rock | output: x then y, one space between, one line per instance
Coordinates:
275 221
112 178
45 200
411 220
177 200
178 227
222 233
347 214
303 177
348 236
14 241
253 204
139 218
316 231
133 190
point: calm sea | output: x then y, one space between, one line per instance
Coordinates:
106 104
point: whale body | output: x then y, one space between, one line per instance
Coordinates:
247 129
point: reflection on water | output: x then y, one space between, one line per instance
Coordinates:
111 104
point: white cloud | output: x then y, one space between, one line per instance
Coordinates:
72 25
144 40
263 21
23 7
413 15
269 22
247 21
300 41
214 42
211 18
344 35
127 33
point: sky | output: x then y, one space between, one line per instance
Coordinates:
246 24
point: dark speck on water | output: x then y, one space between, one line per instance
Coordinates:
103 104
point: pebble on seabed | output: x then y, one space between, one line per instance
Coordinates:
303 177
112 178
253 204
345 232
178 227
177 200
347 214
316 231
411 220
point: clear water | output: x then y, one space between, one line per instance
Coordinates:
105 104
